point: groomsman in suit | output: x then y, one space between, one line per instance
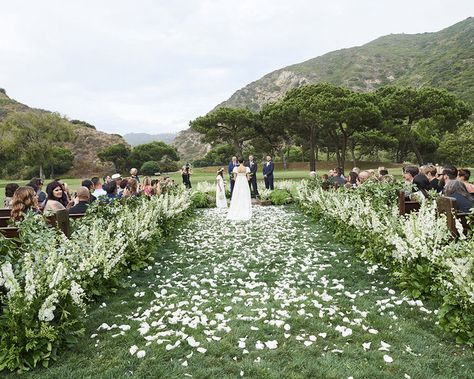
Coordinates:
232 164
268 173
253 175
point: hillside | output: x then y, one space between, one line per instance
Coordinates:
87 142
442 59
139 138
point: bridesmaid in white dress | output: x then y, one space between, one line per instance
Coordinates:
241 203
221 201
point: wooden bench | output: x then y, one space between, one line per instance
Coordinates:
60 220
448 206
9 232
4 221
406 206
5 212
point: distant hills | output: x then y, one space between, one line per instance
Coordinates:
442 59
85 146
141 138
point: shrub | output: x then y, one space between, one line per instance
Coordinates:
150 168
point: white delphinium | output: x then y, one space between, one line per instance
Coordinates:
77 294
8 280
46 312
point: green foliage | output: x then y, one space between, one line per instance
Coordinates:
33 137
150 168
201 200
417 248
217 156
280 197
45 278
82 123
227 125
458 147
153 151
118 154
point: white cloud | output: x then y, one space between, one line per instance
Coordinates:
154 65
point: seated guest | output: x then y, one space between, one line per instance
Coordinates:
83 195
10 189
409 173
134 174
338 179
382 172
146 187
90 186
24 200
449 173
111 189
98 190
131 189
457 190
121 187
352 179
363 177
463 175
431 172
356 170
117 178
37 185
155 184
421 187
55 200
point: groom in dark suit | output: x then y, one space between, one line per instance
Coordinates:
253 175
232 164
268 173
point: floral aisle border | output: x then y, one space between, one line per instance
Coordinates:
46 280
418 247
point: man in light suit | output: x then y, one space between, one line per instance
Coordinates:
253 175
232 164
268 173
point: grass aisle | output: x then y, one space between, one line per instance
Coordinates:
274 298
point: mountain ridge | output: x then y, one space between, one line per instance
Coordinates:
440 59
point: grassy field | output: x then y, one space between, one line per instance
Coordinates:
274 298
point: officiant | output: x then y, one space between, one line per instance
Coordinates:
231 167
253 176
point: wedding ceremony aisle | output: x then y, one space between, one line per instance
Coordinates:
276 297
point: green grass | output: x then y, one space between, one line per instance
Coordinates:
292 257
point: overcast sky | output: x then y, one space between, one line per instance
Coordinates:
151 65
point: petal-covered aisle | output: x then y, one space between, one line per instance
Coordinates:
273 298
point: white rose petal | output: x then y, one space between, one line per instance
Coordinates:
133 349
273 344
387 358
141 354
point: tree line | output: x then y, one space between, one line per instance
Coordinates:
32 144
401 123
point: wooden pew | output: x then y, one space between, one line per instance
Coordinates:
5 212
406 206
9 232
448 206
4 221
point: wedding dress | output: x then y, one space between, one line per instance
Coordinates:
221 201
240 204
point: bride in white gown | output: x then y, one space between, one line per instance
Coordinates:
240 204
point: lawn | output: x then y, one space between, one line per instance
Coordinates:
273 298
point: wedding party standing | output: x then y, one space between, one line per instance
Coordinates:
230 169
240 203
268 173
221 201
252 165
